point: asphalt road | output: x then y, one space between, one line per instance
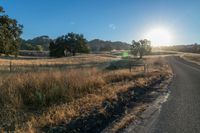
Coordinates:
181 113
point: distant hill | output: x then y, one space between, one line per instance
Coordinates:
41 40
192 48
97 45
31 44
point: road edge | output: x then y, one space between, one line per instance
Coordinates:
143 120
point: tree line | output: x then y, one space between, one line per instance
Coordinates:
40 43
98 45
191 48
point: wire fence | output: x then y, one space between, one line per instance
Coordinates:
11 66
14 67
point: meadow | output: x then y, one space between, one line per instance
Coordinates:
41 94
192 57
34 64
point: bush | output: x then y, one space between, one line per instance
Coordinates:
124 63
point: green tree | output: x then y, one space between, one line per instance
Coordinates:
52 48
142 47
71 43
135 48
56 48
10 32
1 10
75 43
39 48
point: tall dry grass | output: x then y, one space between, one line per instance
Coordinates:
32 100
192 57
47 88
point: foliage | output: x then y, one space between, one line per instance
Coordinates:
26 46
39 48
124 64
69 44
10 32
56 50
32 100
100 45
141 47
31 44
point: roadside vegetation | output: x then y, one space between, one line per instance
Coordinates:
38 101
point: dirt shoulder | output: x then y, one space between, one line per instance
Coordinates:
135 119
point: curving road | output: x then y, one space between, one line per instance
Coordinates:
181 113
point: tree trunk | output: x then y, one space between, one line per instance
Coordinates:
73 53
141 56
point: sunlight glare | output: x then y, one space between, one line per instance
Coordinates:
159 36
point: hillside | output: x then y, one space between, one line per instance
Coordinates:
31 44
97 45
192 48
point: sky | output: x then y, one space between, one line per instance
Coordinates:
115 20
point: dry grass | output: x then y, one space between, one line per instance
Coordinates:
128 118
192 57
45 88
29 101
86 58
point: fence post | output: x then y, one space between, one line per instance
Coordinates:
10 65
145 68
130 65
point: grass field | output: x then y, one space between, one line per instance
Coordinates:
31 101
23 64
192 57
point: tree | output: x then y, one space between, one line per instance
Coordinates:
1 10
52 48
56 48
141 47
10 32
135 48
71 43
39 48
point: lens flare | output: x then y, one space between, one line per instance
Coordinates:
159 36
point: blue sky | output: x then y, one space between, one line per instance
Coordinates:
122 20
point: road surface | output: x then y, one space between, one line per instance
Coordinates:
181 113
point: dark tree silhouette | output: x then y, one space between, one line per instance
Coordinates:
71 43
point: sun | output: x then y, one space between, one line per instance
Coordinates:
159 36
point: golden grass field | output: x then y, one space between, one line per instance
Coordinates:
31 100
85 58
192 57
